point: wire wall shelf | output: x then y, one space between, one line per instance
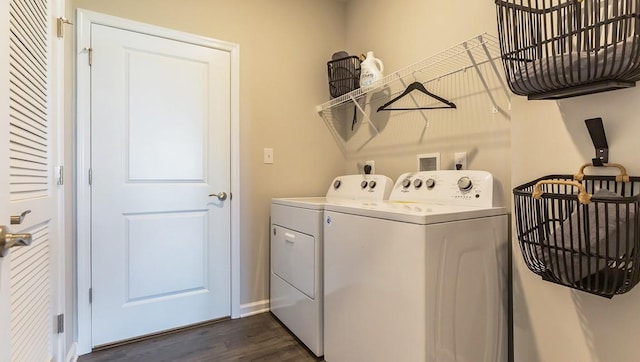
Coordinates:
340 113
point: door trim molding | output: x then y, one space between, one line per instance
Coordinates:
5 298
62 248
84 20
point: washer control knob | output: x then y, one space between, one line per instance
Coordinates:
417 183
430 183
336 184
364 184
406 183
372 184
465 184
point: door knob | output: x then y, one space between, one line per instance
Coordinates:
220 195
8 240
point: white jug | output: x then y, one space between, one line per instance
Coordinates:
370 70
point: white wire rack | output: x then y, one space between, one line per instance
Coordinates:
469 54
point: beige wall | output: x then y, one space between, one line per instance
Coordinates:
284 46
402 32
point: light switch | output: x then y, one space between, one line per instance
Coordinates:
268 155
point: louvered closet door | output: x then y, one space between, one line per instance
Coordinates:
31 183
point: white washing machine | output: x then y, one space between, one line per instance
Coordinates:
421 277
297 248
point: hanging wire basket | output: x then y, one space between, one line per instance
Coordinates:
344 75
555 49
581 231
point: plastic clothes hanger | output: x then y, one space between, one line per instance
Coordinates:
420 87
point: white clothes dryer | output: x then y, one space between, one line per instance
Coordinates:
296 282
421 277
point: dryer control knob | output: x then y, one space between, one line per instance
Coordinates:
417 183
465 184
336 184
406 183
372 185
430 183
363 184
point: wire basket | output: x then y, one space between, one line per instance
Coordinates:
554 49
344 75
581 231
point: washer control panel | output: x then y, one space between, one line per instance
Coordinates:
360 187
466 187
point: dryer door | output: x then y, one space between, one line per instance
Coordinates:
293 259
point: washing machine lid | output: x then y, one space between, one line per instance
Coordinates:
415 213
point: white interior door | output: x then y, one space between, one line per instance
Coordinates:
28 274
160 133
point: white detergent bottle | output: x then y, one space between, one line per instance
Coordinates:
370 70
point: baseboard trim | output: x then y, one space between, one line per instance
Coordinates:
253 308
72 354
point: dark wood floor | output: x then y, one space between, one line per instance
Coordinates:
256 338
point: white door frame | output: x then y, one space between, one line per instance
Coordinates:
59 252
5 302
84 20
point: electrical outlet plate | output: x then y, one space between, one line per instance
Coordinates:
372 164
460 160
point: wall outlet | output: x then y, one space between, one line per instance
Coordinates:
372 169
460 160
268 155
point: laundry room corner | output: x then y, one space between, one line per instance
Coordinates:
288 149
550 322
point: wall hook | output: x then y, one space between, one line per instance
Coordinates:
599 139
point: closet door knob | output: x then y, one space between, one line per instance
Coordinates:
220 195
8 240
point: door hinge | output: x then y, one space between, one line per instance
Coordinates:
90 177
60 323
90 295
90 52
60 23
60 175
